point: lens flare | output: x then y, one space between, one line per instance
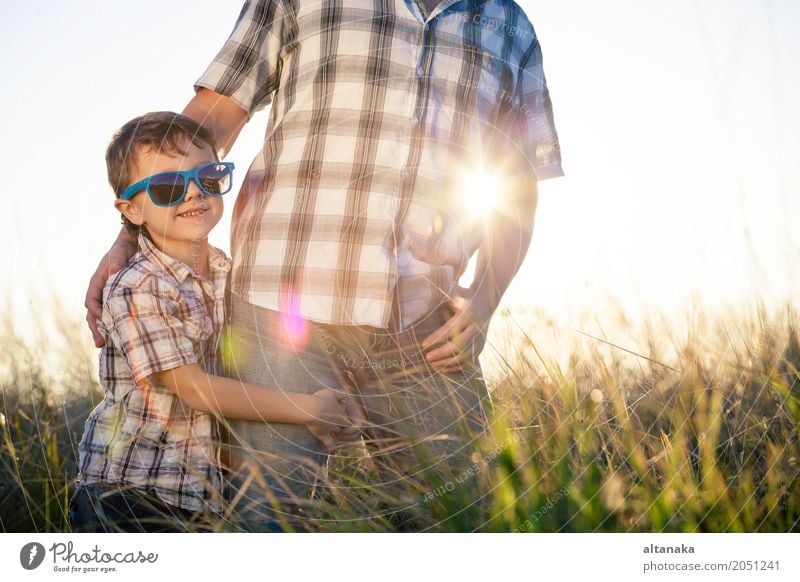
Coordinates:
481 192
296 328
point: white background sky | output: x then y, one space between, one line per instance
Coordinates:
678 121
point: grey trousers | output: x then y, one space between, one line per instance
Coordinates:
418 417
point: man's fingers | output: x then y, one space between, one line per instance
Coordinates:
94 295
459 342
458 358
444 352
449 369
442 333
452 338
460 363
96 335
94 307
94 300
112 262
444 365
454 358
95 310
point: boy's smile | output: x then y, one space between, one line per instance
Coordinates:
181 230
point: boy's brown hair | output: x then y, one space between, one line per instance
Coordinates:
161 130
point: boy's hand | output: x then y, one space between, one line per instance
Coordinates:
121 251
336 420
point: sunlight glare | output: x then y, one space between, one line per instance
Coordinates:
480 191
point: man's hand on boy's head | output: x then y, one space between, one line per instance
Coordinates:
113 261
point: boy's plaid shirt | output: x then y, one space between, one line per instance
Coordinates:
377 113
158 314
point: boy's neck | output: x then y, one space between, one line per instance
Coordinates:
192 253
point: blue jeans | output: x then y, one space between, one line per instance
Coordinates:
109 508
280 466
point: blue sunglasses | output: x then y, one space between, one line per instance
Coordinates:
169 188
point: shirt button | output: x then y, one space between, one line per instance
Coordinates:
420 70
405 173
414 120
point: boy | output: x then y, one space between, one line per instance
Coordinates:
148 457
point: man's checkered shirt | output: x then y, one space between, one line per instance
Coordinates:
378 111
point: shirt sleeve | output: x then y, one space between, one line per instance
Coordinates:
532 125
247 68
145 328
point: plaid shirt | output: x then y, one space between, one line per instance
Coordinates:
158 314
377 111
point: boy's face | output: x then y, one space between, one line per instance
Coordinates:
189 220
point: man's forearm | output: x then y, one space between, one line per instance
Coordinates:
506 241
220 115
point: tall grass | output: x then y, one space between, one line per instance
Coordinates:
49 385
653 433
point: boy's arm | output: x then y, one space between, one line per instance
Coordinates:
235 399
323 412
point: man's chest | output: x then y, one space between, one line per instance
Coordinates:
429 5
455 59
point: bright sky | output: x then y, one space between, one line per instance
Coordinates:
678 121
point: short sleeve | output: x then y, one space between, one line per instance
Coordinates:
247 68
146 330
532 126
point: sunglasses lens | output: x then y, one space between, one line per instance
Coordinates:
167 189
216 179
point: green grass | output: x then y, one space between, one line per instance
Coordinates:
601 438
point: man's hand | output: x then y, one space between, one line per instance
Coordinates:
505 243
464 334
112 262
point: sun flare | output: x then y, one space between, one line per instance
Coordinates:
481 192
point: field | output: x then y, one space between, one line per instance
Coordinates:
697 433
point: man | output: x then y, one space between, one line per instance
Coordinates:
350 231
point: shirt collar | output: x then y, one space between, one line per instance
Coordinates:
445 4
178 269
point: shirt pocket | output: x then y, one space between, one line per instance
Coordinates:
492 73
349 28
197 325
469 85
494 85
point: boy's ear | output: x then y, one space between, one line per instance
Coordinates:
131 211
